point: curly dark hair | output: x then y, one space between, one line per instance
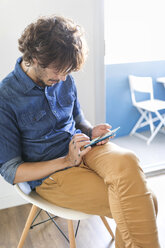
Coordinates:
54 40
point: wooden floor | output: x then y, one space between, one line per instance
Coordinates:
91 234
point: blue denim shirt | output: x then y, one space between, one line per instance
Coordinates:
36 124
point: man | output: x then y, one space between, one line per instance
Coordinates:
43 133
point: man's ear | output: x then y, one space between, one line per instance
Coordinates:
35 62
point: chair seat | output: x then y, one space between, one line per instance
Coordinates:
62 212
69 214
151 105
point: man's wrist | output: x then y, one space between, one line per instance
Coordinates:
67 161
60 163
89 132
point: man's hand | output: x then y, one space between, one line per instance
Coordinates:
100 130
75 154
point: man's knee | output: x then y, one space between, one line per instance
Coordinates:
113 161
127 163
123 173
123 164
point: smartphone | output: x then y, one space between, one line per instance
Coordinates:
103 137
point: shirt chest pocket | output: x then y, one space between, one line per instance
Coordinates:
34 125
66 100
32 118
66 105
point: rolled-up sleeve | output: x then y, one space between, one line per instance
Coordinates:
8 169
10 144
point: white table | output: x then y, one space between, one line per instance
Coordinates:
161 80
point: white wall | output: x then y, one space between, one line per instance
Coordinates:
15 15
8 195
134 31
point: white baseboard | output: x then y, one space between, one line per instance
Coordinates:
155 169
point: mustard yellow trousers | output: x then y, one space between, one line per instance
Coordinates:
109 182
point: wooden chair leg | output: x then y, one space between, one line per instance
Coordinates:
27 226
71 234
107 226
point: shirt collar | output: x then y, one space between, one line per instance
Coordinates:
26 82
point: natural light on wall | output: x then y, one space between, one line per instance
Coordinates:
134 31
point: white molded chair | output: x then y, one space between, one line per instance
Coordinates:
147 107
69 214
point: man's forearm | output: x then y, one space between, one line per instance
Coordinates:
29 171
85 127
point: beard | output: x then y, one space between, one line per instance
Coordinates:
40 75
43 84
